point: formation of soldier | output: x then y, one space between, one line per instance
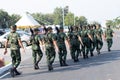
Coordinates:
81 41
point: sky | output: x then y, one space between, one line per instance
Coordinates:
93 10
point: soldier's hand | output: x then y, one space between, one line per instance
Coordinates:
23 50
5 52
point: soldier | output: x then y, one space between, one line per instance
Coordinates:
74 41
91 33
15 44
86 41
108 36
98 36
36 41
61 39
50 45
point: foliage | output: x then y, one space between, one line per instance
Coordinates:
69 19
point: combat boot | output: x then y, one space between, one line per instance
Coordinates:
36 66
109 50
91 54
61 63
98 51
16 72
50 68
65 64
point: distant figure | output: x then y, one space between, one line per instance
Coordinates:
15 44
108 37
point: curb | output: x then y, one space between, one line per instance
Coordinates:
5 69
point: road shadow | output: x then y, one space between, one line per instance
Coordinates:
104 58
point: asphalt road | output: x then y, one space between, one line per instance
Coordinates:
105 66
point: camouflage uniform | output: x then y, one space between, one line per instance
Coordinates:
15 42
98 38
109 35
91 32
61 37
50 50
74 45
36 50
86 42
15 48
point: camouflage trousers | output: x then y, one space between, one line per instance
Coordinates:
62 54
50 55
36 53
16 57
99 44
75 51
109 43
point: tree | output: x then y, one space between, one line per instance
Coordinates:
110 22
80 21
58 16
4 18
13 19
69 19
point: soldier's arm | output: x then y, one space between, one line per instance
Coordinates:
80 40
90 37
55 42
20 43
6 45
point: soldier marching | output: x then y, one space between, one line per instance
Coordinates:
81 41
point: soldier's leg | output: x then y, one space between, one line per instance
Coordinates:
87 49
18 58
72 52
48 59
40 54
64 56
91 48
12 72
60 57
97 46
34 58
109 44
83 50
77 52
101 44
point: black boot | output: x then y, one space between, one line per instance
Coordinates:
16 72
61 63
109 50
65 64
12 73
50 68
36 66
92 54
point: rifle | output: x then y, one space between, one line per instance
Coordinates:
57 29
32 33
45 29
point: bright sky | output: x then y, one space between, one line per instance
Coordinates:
93 10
